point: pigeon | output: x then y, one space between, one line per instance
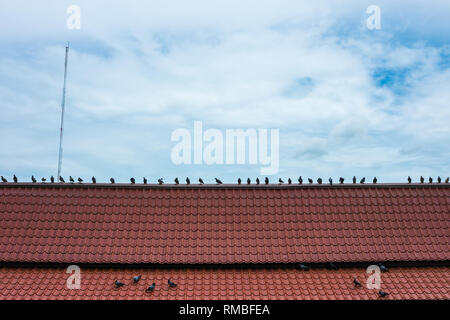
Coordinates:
43 180
239 180
80 180
160 181
310 181
446 180
118 284
61 179
249 181
52 179
421 179
430 180
144 180
15 179
201 181
331 181
171 284
289 181
132 180
303 267
4 179
71 179
33 179
178 181
439 180
112 180
94 181
319 180
151 288
332 266
362 180
187 181
266 180
354 179
280 181
257 181
137 278
341 180
300 180
375 180
356 283
383 268
409 180
382 294
218 181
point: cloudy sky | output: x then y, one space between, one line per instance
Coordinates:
346 100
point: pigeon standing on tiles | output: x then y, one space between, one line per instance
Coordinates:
94 181
257 181
52 179
319 180
160 181
383 268
151 288
71 179
187 181
137 278
80 180
375 180
61 179
439 179
446 180
421 179
409 180
132 180
303 267
118 284
266 180
43 180
280 181
289 181
310 181
249 181
239 180
200 180
15 179
171 284
382 294
218 181
354 180
430 180
4 179
362 180
300 180
341 180
112 180
144 180
356 283
33 179
178 181
331 181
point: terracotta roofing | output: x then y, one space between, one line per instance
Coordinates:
223 224
192 283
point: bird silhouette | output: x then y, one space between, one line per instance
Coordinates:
356 283
144 180
341 180
280 181
319 180
151 288
132 180
289 181
382 294
383 268
249 181
239 180
178 181
200 180
446 180
112 180
137 278
257 180
422 179
330 181
439 179
160 181
52 179
61 179
94 181
118 284
375 180
409 179
71 179
80 180
430 180
362 180
188 181
354 179
303 267
266 180
218 181
310 181
33 179
171 284
15 179
300 180
4 179
43 180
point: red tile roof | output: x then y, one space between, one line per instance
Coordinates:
223 224
192 283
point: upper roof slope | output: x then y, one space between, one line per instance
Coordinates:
223 224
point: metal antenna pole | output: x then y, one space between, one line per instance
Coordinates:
63 105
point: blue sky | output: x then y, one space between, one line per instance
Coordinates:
346 100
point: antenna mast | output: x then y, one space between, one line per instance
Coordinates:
63 105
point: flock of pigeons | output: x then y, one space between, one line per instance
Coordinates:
136 279
239 181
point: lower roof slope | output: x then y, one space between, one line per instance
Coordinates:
223 224
240 284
